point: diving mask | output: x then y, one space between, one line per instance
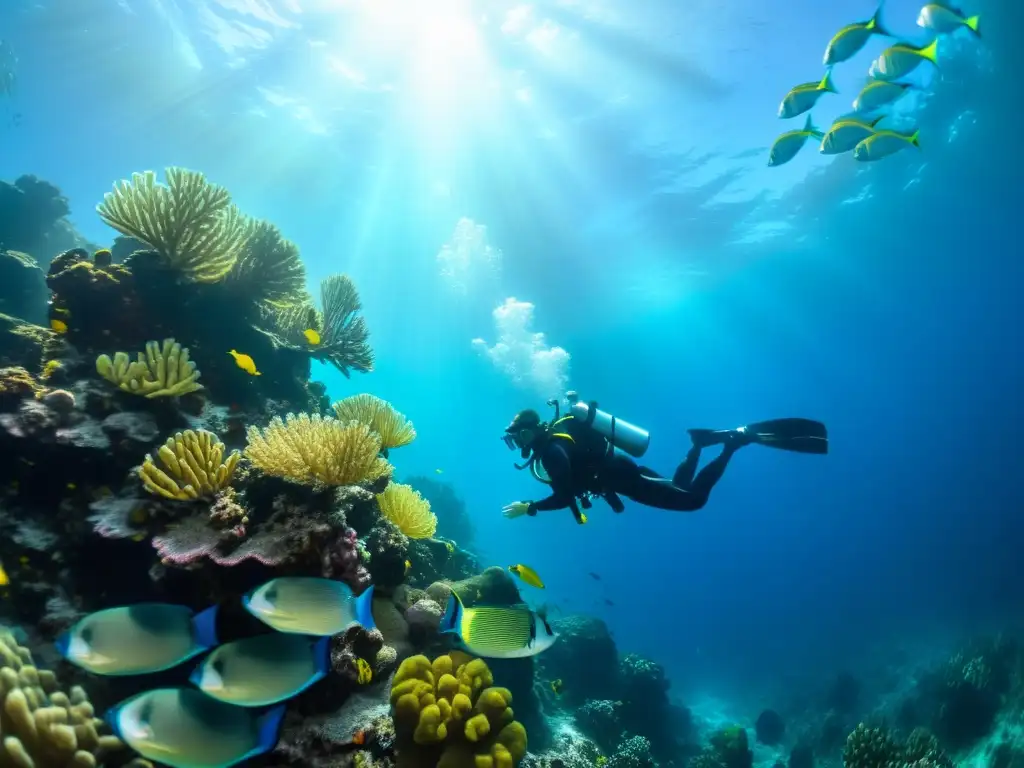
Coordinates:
520 439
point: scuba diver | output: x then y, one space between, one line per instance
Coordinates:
589 453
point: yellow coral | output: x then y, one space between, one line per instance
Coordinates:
404 507
317 450
196 463
454 711
44 727
190 222
162 371
379 415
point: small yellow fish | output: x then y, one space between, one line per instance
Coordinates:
527 574
364 671
72 487
901 59
583 519
23 559
946 19
61 311
245 362
848 41
804 96
408 565
4 578
785 147
311 336
58 326
556 686
884 143
450 546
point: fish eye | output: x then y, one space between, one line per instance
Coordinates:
87 634
218 666
271 594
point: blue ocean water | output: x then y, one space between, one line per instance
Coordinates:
583 188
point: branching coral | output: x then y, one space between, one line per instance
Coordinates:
162 371
190 221
317 450
379 415
44 727
404 507
448 715
344 336
195 463
268 269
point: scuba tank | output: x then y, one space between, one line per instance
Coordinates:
621 434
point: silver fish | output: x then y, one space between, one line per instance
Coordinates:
309 605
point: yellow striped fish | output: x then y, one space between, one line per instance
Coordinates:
498 631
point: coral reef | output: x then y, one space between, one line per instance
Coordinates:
193 458
449 715
453 521
408 511
164 370
380 416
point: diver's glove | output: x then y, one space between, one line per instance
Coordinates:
518 509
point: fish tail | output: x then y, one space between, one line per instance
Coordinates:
269 729
322 654
364 609
931 52
914 139
62 643
204 628
972 24
875 25
827 84
452 619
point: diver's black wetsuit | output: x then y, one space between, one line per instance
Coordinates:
574 470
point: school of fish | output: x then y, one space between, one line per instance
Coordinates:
859 132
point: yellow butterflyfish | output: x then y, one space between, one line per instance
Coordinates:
311 336
527 574
58 326
245 362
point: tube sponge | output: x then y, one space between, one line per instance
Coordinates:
195 467
44 727
451 716
162 371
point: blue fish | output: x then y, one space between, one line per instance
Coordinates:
138 639
264 670
185 728
310 606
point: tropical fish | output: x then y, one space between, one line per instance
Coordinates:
556 686
884 143
312 336
789 143
309 605
901 59
945 19
58 326
498 631
846 133
847 42
364 672
878 93
138 639
185 728
245 362
263 670
527 574
804 96
359 738
408 565
4 578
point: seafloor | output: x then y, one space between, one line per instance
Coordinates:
115 374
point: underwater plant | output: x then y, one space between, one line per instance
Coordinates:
195 466
409 511
268 269
378 414
162 371
344 336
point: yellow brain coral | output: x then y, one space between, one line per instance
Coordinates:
450 716
404 507
43 727
317 450
379 415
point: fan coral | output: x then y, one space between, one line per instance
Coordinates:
197 458
268 270
163 371
190 221
317 450
343 340
451 717
379 415
43 726
404 507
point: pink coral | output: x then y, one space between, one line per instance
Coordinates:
344 562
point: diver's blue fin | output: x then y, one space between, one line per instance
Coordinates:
364 609
269 729
204 628
452 618
322 654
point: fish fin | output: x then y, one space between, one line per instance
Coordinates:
931 51
110 718
877 120
204 628
452 616
364 609
62 643
196 676
808 124
875 25
914 139
269 729
232 352
972 24
322 654
826 83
